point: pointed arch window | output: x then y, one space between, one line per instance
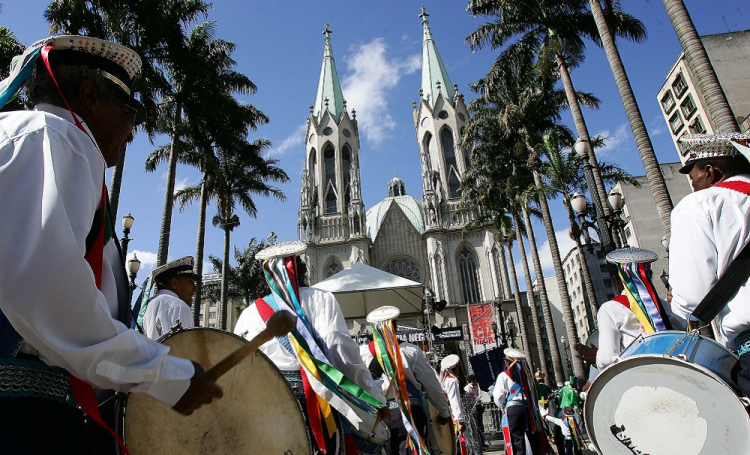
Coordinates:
333 267
330 200
329 161
405 267
346 164
468 271
449 152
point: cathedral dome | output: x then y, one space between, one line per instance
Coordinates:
411 206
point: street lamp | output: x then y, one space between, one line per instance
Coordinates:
566 350
511 326
583 149
665 244
617 203
579 205
133 266
494 330
127 223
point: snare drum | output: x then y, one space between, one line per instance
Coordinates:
669 393
371 444
442 438
258 413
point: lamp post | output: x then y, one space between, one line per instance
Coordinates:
127 223
617 203
511 326
133 266
665 244
494 330
579 205
566 350
583 149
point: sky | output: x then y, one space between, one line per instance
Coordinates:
377 47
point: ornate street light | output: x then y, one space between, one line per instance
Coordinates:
134 265
127 224
580 206
583 149
566 350
617 203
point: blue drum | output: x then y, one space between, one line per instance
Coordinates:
668 393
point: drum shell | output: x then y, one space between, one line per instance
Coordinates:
676 386
371 444
258 413
442 438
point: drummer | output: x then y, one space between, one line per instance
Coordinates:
170 306
64 295
637 310
710 227
324 323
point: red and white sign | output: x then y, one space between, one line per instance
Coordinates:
481 318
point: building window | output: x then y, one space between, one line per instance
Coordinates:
333 267
201 316
607 283
213 303
331 201
679 86
212 325
467 269
628 232
667 102
405 267
449 152
211 314
696 126
688 107
675 123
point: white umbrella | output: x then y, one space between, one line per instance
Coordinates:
360 289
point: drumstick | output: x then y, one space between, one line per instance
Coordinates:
281 323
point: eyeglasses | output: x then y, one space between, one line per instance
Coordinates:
132 112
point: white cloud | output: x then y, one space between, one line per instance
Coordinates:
181 183
373 75
564 244
207 267
148 262
615 140
296 140
658 126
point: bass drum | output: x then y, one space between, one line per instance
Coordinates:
442 438
258 413
669 393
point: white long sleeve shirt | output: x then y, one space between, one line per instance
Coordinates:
163 312
325 316
709 229
51 177
452 390
502 389
618 327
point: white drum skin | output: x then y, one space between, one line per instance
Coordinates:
258 413
661 400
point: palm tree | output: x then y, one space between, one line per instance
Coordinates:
653 173
506 237
9 48
719 112
548 32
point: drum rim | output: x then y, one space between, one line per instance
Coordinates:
681 333
660 359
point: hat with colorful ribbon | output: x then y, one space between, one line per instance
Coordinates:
118 64
706 146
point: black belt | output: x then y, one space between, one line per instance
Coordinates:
35 379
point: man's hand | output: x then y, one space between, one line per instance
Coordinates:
443 420
202 390
587 353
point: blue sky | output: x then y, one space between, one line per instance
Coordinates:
377 48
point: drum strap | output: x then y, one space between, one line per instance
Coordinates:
734 277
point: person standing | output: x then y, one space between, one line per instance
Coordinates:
64 295
451 387
710 228
170 306
475 394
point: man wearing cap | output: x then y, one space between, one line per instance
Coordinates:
63 289
710 227
175 284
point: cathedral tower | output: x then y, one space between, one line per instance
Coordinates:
331 211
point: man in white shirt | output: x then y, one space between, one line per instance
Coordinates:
710 227
326 319
175 284
61 287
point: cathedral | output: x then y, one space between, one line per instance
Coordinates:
419 239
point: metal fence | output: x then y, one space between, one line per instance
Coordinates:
492 420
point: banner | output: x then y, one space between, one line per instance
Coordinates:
443 335
481 318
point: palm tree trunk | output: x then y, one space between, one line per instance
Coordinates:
505 292
653 173
166 217
562 285
549 324
719 111
583 133
520 315
589 286
530 290
225 279
199 253
114 186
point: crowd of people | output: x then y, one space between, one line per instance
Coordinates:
63 333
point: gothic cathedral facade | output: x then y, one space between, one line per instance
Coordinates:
423 240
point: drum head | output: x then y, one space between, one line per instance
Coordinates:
441 435
258 413
663 405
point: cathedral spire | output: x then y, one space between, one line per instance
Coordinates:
329 94
435 78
